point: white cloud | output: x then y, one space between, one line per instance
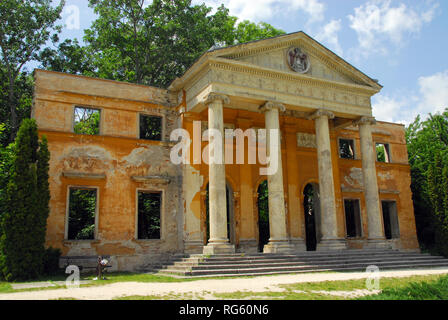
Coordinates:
434 91
329 36
260 10
378 24
404 107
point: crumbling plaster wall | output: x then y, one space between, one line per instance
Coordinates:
115 162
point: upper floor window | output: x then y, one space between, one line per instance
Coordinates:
346 149
86 121
382 152
150 127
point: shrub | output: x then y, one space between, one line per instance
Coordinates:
51 261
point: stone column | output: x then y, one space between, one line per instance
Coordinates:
278 240
219 239
295 214
330 239
248 237
376 237
191 187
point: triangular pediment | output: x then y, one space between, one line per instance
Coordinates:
273 54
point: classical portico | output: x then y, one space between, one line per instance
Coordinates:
295 85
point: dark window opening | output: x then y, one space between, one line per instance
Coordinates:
263 215
390 219
150 127
228 214
149 208
382 152
87 121
346 149
81 216
311 207
353 218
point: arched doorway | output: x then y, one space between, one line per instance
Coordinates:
311 207
263 215
230 215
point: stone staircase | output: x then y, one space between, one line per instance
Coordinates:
269 264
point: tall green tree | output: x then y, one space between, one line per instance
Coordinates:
68 57
153 44
247 31
25 207
428 157
22 100
25 26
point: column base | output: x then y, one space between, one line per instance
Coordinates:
378 244
332 245
279 247
193 246
218 248
299 244
248 246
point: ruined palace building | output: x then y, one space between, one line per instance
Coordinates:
343 178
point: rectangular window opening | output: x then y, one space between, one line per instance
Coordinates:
81 215
390 219
346 149
150 127
86 121
353 218
382 152
149 211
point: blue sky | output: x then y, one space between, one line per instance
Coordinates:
402 43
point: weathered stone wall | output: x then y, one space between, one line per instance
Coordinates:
115 162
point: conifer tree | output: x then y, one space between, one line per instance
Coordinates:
26 207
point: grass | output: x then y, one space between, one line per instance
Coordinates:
403 288
431 290
420 287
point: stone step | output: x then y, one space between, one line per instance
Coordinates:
299 255
314 268
248 260
340 269
208 265
303 264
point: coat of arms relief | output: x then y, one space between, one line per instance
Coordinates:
298 60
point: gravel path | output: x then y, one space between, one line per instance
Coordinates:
204 288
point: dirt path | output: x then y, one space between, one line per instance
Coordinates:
203 287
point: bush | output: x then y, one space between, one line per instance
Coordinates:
51 261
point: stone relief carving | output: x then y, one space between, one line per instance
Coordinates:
298 60
306 140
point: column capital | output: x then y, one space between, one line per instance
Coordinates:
213 96
270 105
365 120
321 113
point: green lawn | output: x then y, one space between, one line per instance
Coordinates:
436 289
405 288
